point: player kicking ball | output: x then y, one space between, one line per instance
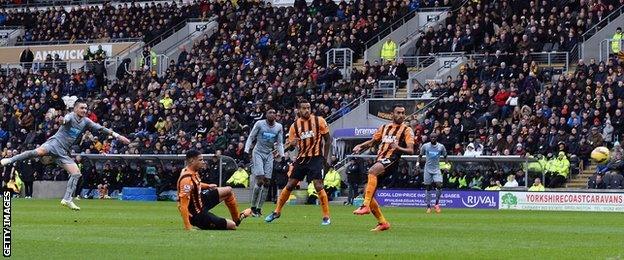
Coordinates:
432 174
195 199
267 134
58 146
311 135
394 139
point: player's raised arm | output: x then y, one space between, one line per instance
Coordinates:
373 141
252 137
97 127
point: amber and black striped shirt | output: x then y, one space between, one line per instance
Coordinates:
189 187
388 134
309 133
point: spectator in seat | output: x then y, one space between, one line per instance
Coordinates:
596 182
537 185
494 185
471 151
477 181
511 182
595 138
613 180
560 166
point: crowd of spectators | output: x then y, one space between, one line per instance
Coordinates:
264 57
208 98
515 26
507 106
105 23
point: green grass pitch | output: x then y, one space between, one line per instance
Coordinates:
41 229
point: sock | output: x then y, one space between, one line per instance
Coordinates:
71 186
254 196
23 156
262 194
324 203
78 187
371 186
283 197
428 198
230 202
438 193
374 206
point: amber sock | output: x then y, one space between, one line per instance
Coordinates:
371 186
283 197
232 206
374 206
324 203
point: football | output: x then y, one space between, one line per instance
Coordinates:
600 154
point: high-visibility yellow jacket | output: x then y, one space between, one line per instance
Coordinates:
332 179
240 176
615 42
389 50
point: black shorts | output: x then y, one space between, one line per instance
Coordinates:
390 164
205 219
390 167
312 167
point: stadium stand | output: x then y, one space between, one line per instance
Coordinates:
263 56
514 26
208 86
102 24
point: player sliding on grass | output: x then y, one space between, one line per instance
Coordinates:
311 135
432 152
58 146
395 139
267 134
197 198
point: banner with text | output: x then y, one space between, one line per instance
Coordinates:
382 108
564 201
361 132
67 52
448 199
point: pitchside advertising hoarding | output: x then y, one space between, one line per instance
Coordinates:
562 201
448 199
67 52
